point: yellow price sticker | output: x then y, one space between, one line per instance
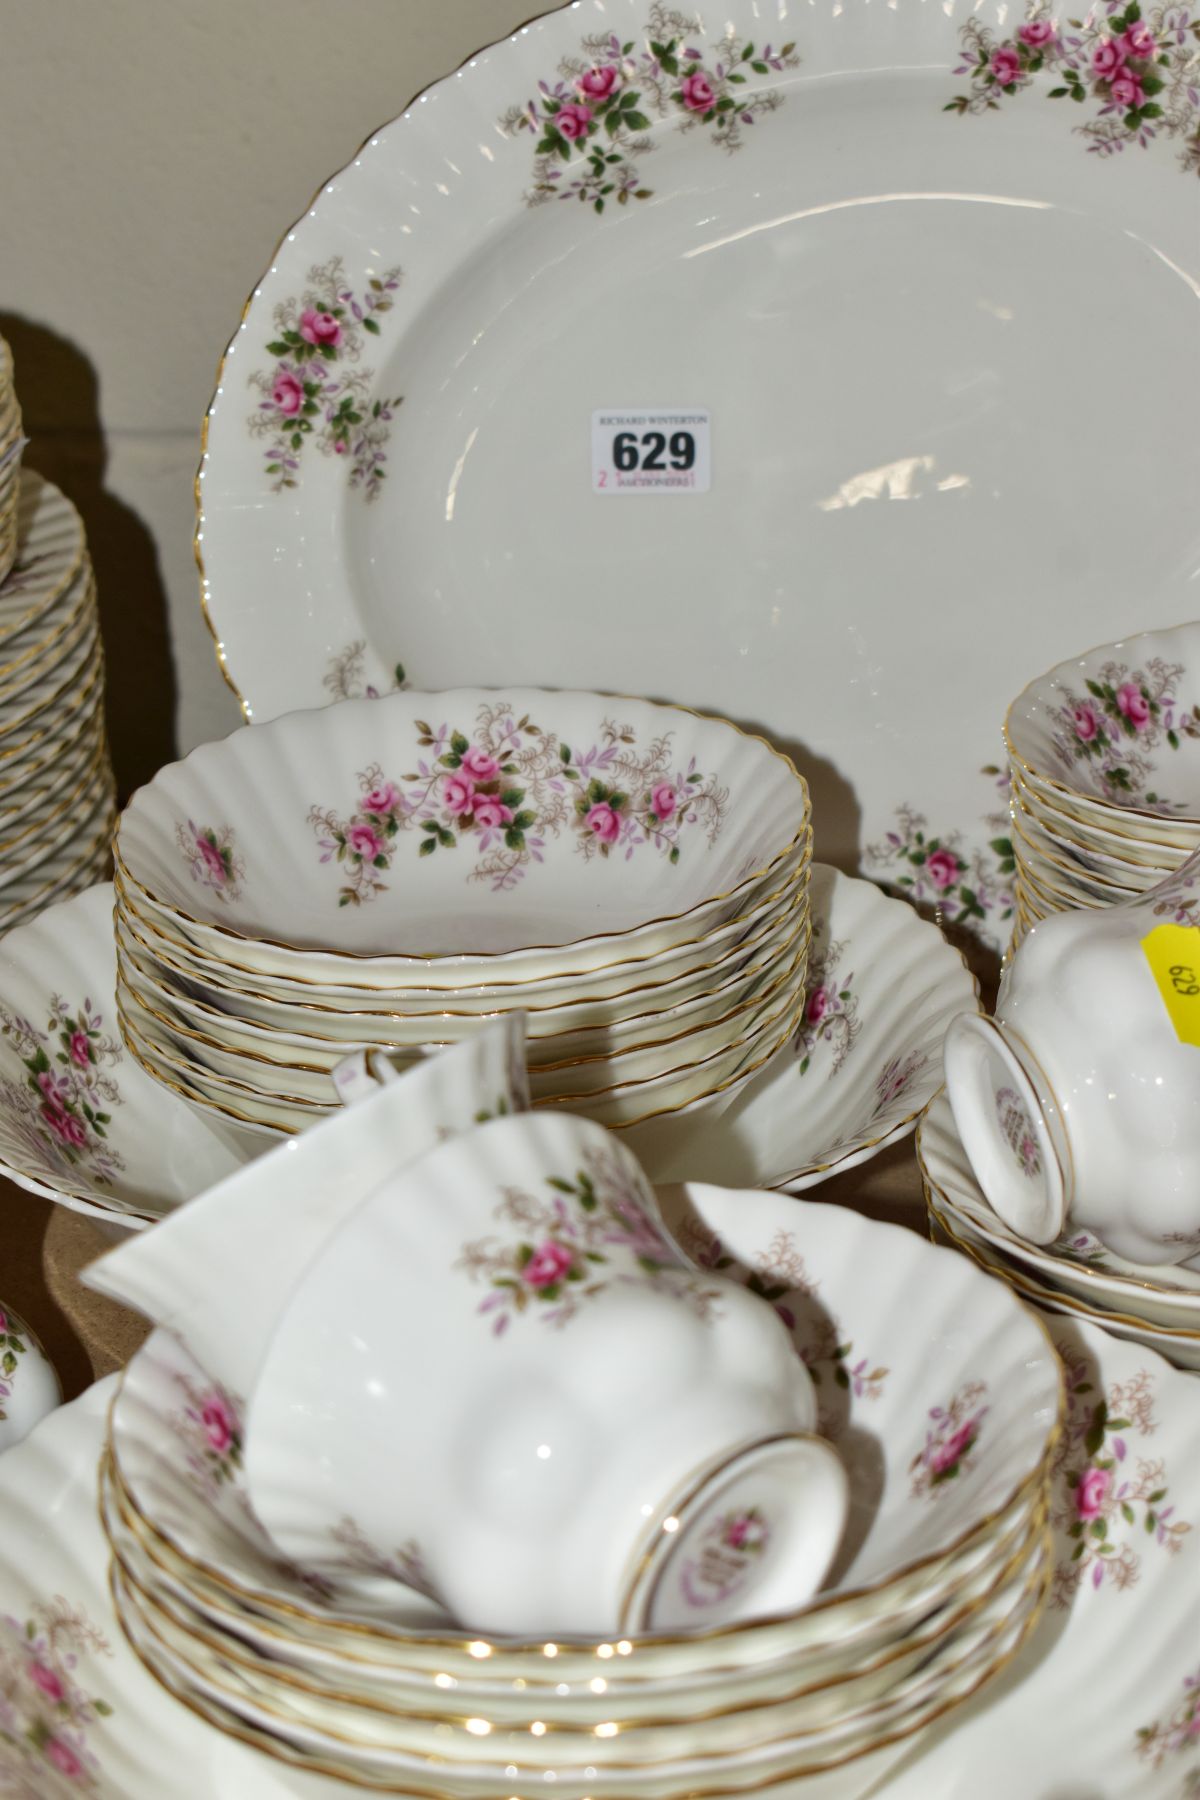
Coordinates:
1173 952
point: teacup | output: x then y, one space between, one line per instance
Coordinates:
503 1380
1079 1104
219 1271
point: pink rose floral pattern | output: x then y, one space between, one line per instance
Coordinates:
780 1277
211 858
48 1715
1018 1131
1134 73
1114 728
209 1426
592 124
1111 1504
504 792
317 390
344 678
725 1557
63 1108
12 1349
1177 1733
556 1251
951 1438
966 886
830 1019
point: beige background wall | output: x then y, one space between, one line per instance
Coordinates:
154 152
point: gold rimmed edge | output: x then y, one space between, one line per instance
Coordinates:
797 948
139 1043
1074 873
91 691
94 765
78 555
196 1098
1018 772
224 1643
263 1741
198 529
757 948
910 1120
53 639
799 879
471 1643
798 847
83 635
1038 1293
1033 1586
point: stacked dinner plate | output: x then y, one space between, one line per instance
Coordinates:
1077 1275
56 786
390 872
1104 753
11 444
947 1424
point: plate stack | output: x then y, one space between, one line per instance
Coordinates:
946 1417
1104 754
11 445
389 873
57 797
1077 1275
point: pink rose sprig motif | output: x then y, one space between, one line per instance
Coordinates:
63 1108
938 871
830 1017
47 1716
12 1348
594 120
1177 1733
556 1251
317 390
209 1426
212 860
780 1277
1137 74
1107 1500
951 1439
1116 726
725 1557
504 792
345 679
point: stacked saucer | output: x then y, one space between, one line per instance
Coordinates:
945 1415
11 445
1104 754
389 873
57 797
1077 1275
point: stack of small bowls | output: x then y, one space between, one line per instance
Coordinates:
11 444
1078 1275
389 873
1104 754
946 1420
57 797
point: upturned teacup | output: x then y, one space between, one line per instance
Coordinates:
504 1382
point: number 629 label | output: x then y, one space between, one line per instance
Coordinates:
650 452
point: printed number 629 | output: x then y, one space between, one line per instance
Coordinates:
1183 979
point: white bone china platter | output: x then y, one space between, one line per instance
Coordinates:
928 272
